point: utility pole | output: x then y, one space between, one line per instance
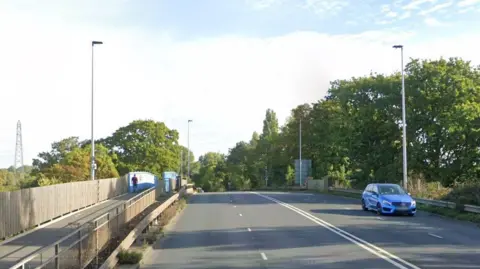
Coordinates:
404 123
188 142
300 149
92 154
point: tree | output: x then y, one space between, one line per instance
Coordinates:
354 135
58 152
145 145
69 160
212 173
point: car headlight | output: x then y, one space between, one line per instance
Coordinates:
385 202
414 203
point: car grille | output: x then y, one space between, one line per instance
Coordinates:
400 204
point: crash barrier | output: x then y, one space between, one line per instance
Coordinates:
82 246
112 260
437 203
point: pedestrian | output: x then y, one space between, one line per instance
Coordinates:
134 181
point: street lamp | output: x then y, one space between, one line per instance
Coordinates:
300 150
404 121
188 145
92 157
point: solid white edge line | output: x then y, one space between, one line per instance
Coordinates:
264 257
434 235
350 237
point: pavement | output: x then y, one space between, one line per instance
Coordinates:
21 247
304 230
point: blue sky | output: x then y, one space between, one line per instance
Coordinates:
221 63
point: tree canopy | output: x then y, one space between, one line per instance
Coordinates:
142 145
354 135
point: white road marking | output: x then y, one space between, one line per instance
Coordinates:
347 208
249 229
234 206
387 256
434 235
379 218
240 214
264 257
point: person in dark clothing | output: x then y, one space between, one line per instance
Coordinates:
135 182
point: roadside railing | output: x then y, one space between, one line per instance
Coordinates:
80 247
437 203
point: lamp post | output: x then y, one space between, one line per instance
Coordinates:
92 156
404 122
188 145
300 150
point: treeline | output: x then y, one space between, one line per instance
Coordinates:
354 135
143 145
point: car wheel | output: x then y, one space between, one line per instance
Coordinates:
379 209
363 206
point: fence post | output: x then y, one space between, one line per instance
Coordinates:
118 220
96 243
57 260
98 191
80 247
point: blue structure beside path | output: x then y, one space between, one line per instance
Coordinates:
146 180
169 179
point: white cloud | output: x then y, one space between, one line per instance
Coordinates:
433 22
436 8
405 15
261 4
325 6
415 4
385 8
224 84
391 14
465 3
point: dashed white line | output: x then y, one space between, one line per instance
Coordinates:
347 208
379 218
434 235
240 214
249 229
264 257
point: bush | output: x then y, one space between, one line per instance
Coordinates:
468 193
129 257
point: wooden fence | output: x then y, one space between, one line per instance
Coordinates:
24 209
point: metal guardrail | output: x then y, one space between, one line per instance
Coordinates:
438 203
82 255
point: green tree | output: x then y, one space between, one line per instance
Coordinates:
145 145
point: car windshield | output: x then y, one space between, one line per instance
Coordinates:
390 189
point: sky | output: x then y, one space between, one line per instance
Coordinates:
220 63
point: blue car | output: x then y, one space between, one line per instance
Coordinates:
388 199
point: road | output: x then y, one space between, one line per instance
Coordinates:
14 251
302 230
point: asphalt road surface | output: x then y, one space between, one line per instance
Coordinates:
14 251
302 230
